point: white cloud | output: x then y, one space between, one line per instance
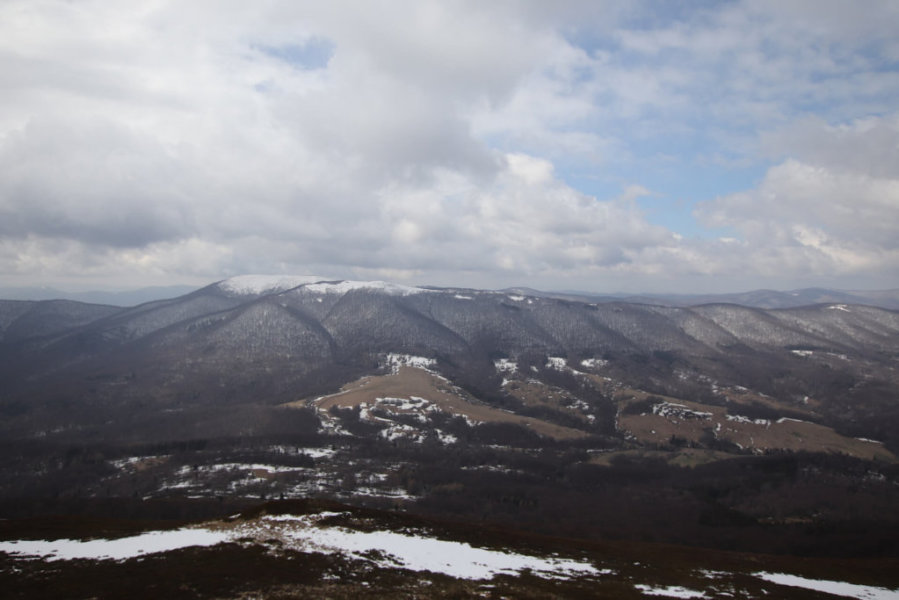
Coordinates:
831 209
427 139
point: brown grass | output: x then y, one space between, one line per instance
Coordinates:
786 434
536 393
412 381
749 397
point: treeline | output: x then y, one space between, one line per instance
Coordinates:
787 503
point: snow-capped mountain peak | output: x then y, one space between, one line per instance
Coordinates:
342 287
246 285
257 285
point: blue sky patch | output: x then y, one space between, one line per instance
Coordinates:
315 53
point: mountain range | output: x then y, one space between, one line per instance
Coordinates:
270 341
755 298
713 425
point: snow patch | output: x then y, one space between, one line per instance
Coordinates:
803 353
410 404
869 441
594 363
306 533
187 471
398 431
672 410
419 553
446 438
317 452
742 419
671 591
556 362
395 361
392 493
132 462
330 425
837 588
414 406
461 297
297 451
120 549
505 365
841 307
561 364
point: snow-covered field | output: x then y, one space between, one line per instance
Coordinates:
411 550
416 552
837 588
670 591
118 549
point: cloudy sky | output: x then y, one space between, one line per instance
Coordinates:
599 146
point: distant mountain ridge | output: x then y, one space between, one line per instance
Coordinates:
119 298
272 340
434 320
755 299
763 298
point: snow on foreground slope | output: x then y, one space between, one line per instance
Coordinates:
118 549
308 534
415 551
836 588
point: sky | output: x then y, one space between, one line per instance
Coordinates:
602 146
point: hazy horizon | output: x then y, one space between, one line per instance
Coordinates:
138 295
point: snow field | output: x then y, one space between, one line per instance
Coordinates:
837 588
671 591
307 534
